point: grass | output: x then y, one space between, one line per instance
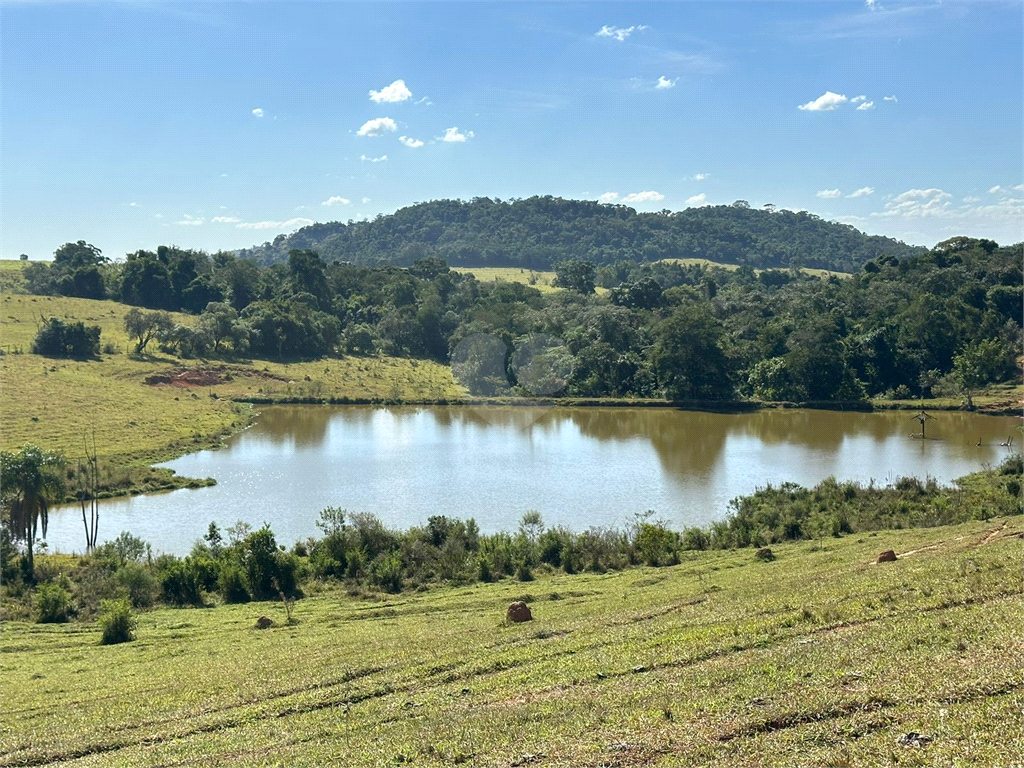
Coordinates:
733 267
57 403
818 658
996 398
542 280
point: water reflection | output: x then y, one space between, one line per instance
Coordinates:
577 466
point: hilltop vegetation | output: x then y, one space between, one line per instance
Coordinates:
539 232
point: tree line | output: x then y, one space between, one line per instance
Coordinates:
948 320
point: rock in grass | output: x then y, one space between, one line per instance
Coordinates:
518 612
764 554
264 622
913 739
886 557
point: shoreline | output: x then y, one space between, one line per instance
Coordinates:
170 481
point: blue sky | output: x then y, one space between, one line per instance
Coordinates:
221 125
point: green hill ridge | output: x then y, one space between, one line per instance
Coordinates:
538 232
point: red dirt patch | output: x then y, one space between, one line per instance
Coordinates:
204 377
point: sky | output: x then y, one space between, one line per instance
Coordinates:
222 125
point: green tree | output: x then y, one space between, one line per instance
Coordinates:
31 480
975 366
72 256
687 356
145 326
575 275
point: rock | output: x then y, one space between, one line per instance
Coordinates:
264 622
764 554
886 557
518 612
913 739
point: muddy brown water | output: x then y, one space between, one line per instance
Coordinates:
578 467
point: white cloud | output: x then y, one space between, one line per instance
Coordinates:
409 141
829 194
918 203
381 159
225 220
866 105
995 189
223 175
608 197
133 204
1019 188
158 216
700 199
190 221
890 98
290 224
377 126
366 200
424 101
258 112
664 83
619 33
700 176
862 192
453 135
920 194
855 99
391 93
870 4
972 199
649 196
336 200
824 103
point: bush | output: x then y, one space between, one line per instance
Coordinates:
386 572
232 585
126 548
180 584
139 583
53 604
58 339
117 622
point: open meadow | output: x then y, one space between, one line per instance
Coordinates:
58 403
821 657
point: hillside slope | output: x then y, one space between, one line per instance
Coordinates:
818 658
538 232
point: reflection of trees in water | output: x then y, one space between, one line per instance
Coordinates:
688 444
306 425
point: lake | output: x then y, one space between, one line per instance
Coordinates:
579 467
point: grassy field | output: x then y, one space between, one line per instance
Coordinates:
733 267
57 403
542 281
818 658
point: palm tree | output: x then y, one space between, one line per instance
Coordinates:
30 481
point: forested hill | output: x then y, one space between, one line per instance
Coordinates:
541 231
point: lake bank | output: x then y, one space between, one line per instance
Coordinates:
578 467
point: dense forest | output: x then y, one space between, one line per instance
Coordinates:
948 320
539 232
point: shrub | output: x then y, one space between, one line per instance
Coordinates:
259 556
58 339
139 583
180 584
117 622
386 572
126 548
53 604
231 583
